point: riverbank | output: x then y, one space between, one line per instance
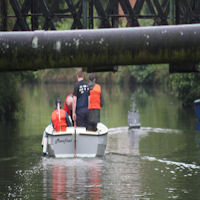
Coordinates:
184 86
124 75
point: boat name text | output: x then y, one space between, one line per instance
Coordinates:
57 141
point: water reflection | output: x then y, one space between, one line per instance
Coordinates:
73 178
158 110
124 173
116 176
134 140
58 182
198 126
158 161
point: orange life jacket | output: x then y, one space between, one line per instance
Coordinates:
95 97
59 125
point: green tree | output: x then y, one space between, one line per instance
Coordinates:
186 86
9 96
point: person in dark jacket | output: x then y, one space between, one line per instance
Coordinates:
80 101
95 103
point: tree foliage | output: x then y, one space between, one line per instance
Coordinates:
9 96
186 86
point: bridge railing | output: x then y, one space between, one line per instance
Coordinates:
26 15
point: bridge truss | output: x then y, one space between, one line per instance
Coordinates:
27 15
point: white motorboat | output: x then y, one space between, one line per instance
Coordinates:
75 142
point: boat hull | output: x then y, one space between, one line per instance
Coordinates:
80 144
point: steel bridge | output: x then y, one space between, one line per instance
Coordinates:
31 15
27 15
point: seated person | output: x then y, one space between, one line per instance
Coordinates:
60 119
68 105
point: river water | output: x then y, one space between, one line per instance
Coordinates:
160 160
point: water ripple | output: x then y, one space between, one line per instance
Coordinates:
168 162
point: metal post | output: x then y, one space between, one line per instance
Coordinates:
171 7
34 10
3 15
177 5
85 14
197 10
91 13
115 20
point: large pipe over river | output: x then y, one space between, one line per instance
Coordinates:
100 47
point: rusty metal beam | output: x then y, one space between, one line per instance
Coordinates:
102 47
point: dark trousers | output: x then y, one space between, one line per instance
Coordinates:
82 117
93 119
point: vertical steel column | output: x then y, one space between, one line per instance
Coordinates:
171 11
3 15
34 12
85 14
197 10
115 20
177 7
91 14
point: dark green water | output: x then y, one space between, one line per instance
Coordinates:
161 160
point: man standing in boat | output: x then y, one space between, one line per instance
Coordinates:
80 101
60 118
95 104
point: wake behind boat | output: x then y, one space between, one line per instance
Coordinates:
75 142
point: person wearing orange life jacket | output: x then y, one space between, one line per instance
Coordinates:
60 119
95 103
